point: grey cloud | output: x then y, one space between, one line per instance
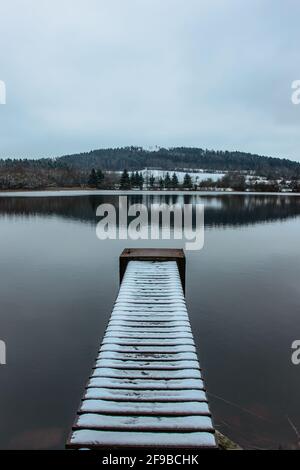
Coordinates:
84 74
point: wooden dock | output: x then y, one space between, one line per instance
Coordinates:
146 388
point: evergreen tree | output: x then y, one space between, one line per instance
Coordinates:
152 181
167 181
187 182
92 180
125 180
174 181
137 178
99 178
132 180
140 180
161 183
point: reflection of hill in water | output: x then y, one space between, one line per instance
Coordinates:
223 210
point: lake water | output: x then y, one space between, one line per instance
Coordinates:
58 284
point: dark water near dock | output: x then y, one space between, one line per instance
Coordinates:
57 287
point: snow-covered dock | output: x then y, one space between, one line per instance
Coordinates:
146 387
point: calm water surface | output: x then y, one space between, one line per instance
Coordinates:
58 284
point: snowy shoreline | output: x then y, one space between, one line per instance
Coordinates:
117 192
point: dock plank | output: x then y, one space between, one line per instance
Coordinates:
89 438
145 423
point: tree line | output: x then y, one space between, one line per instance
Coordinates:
136 180
77 170
49 176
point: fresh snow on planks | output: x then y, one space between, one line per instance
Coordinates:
146 388
92 439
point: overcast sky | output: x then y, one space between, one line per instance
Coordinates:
86 74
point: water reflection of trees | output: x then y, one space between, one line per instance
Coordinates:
223 210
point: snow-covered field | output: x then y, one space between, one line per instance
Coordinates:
197 176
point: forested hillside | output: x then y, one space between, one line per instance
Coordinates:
136 158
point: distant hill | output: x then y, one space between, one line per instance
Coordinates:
137 158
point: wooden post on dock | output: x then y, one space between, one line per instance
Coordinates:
154 254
